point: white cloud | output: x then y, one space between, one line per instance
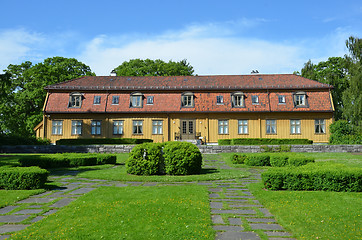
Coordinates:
206 49
15 45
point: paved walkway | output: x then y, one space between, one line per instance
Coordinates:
235 212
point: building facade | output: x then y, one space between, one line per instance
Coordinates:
188 107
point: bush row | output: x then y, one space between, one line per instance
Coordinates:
17 140
314 177
274 160
263 141
172 158
66 160
18 178
92 141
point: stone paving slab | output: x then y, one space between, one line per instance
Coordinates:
234 211
265 226
266 212
261 220
13 218
214 195
12 228
278 234
228 228
62 202
150 184
121 185
237 235
37 200
7 209
36 219
29 211
244 205
215 190
235 221
50 212
81 191
217 205
217 219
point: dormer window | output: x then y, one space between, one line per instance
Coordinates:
75 100
150 100
97 100
115 100
136 100
300 99
255 99
219 100
281 99
238 99
187 99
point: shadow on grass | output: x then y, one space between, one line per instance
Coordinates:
9 161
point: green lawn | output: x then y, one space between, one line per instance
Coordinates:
167 212
8 197
314 215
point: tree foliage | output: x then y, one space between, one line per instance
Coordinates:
148 67
23 92
345 74
334 71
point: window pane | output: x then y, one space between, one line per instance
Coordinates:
115 100
118 127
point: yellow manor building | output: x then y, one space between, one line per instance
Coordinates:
188 107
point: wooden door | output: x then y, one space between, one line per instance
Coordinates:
188 129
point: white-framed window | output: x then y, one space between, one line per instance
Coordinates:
281 99
115 100
223 126
271 126
96 127
77 127
237 99
150 100
295 126
97 100
187 99
300 99
75 100
255 99
137 127
320 126
157 126
57 127
243 126
219 100
136 100
118 127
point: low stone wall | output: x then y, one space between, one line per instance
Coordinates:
203 148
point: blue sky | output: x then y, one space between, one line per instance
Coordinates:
216 37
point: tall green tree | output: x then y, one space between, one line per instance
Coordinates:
335 72
21 109
148 67
352 97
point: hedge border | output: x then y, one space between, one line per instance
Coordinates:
22 178
94 141
264 141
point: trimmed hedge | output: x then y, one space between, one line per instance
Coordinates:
93 141
278 160
300 161
66 160
182 158
263 141
19 178
314 177
146 159
258 160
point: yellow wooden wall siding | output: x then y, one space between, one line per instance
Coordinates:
205 124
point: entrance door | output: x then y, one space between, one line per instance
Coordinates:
188 129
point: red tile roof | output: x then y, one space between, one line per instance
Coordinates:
318 101
192 83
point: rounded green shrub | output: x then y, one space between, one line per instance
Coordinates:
182 158
146 159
